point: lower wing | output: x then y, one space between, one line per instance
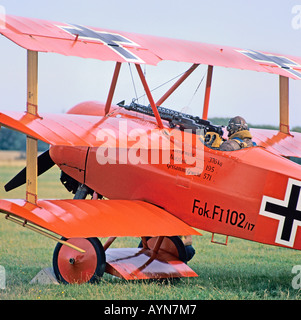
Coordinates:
97 218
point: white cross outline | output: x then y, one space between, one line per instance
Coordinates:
290 66
119 43
283 203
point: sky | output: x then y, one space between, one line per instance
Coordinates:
267 25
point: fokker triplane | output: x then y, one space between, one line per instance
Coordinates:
145 170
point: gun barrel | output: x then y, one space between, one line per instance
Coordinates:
176 118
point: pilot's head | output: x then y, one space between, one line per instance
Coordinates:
236 124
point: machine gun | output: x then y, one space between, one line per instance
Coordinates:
176 118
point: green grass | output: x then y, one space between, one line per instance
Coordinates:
242 270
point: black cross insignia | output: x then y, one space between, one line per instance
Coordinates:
112 40
279 61
287 211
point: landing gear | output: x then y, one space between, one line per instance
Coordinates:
172 245
71 266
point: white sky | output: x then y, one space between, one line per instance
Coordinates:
65 81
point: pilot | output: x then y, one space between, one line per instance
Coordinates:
239 135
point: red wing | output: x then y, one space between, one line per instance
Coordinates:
81 130
286 145
98 218
55 129
74 40
87 42
70 129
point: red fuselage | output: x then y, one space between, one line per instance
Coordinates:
229 196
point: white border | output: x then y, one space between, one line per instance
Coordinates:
283 203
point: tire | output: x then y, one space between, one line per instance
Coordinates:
178 246
72 266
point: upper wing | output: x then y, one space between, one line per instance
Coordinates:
286 145
98 218
87 42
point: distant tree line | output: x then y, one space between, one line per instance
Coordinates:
14 140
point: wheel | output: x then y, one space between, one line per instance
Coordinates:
173 245
72 266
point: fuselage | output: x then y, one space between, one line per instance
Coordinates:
220 192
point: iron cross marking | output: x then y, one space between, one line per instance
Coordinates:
279 61
113 40
287 211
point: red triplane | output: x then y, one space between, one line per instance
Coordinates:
159 176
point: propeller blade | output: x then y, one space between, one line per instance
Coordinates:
44 163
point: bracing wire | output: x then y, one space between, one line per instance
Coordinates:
196 90
161 85
133 82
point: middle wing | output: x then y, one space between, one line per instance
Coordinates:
55 129
81 130
286 145
98 218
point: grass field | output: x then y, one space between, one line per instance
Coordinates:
242 270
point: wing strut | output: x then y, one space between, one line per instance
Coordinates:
32 143
207 92
284 104
177 84
149 96
32 227
112 88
